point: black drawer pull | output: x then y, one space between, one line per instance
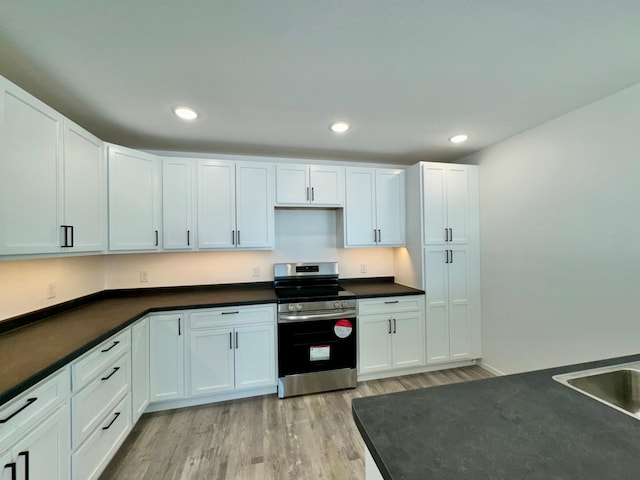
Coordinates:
25 454
392 301
29 402
231 313
12 466
114 344
115 369
116 415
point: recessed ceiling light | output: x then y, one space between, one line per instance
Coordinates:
339 127
460 138
185 113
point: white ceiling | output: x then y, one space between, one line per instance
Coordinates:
268 76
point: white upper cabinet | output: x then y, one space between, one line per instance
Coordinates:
375 207
177 203
446 203
30 166
84 225
52 180
235 205
309 185
134 199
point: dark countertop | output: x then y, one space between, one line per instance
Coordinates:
524 426
30 353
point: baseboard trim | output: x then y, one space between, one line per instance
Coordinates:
491 369
413 370
205 399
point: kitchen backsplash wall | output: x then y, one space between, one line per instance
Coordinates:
25 285
301 235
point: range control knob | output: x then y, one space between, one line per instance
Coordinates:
292 307
337 305
299 307
344 304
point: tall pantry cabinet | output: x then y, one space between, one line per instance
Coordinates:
443 257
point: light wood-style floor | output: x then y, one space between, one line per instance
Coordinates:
262 438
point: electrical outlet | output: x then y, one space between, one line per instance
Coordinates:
255 271
363 268
144 276
51 290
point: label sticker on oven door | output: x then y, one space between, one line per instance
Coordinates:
321 352
343 328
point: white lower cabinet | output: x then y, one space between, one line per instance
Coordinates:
91 458
100 405
231 349
166 356
42 454
139 368
390 335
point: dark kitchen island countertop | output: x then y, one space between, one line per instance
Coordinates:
516 427
61 334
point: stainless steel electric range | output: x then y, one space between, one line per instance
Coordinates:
316 329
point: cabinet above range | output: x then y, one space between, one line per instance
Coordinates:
309 185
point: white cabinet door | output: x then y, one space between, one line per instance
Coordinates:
408 339
255 356
211 355
449 322
31 153
327 185
374 343
446 203
177 204
254 205
216 204
85 191
460 327
360 204
292 185
166 356
390 207
134 199
45 452
139 367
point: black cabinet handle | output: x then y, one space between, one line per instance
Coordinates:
375 236
451 234
188 237
72 234
65 242
451 258
394 326
307 194
379 236
179 329
29 402
389 320
313 194
230 341
238 231
446 259
114 344
12 466
157 238
392 301
236 339
233 237
115 369
25 454
116 415
231 313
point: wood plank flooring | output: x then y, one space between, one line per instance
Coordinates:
262 438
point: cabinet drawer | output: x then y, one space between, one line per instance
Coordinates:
218 317
95 362
408 303
88 461
91 405
26 410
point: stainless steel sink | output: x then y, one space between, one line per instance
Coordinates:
617 386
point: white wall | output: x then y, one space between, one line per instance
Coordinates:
24 283
560 239
301 235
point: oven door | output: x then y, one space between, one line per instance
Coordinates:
316 345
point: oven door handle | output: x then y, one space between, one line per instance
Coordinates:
334 315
